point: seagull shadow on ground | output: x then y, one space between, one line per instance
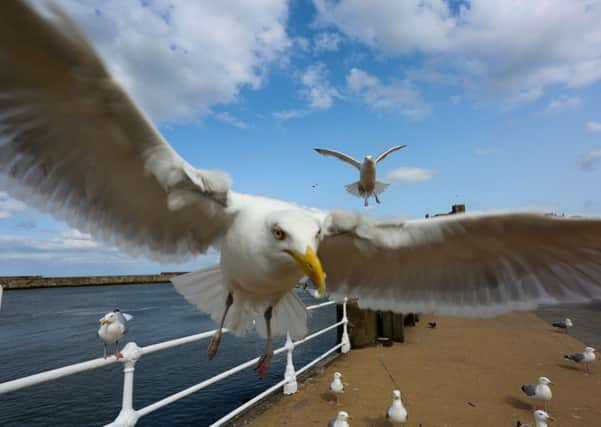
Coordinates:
517 403
330 397
570 367
380 421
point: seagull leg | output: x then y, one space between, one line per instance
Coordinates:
104 345
377 199
365 201
118 354
263 366
217 337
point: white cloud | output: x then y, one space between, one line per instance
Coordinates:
563 103
326 42
507 49
289 114
9 206
318 90
593 126
398 95
405 175
226 117
591 160
179 58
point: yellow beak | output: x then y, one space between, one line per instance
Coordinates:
103 322
551 418
311 265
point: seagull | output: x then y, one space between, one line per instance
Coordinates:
586 357
396 412
336 385
113 325
563 324
432 325
539 391
367 184
341 420
540 419
75 145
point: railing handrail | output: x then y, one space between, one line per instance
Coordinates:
131 352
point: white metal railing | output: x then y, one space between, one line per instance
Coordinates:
128 416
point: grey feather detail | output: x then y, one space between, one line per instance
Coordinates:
74 144
383 155
469 265
560 324
529 389
575 357
332 423
339 155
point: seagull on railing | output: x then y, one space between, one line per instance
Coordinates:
341 420
367 185
74 144
113 326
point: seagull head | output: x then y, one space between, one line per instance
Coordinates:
396 394
343 416
369 159
589 350
569 323
540 415
337 375
545 381
108 318
293 238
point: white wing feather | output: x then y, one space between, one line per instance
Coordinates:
344 157
464 265
383 155
74 144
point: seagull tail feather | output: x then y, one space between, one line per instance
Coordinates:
289 315
355 189
380 187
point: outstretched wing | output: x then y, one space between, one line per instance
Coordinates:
387 152
465 264
344 157
74 144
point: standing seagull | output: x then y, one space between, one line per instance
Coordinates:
113 326
336 385
563 324
367 184
341 420
74 144
540 419
540 391
586 357
396 412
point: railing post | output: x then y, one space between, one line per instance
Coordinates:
291 386
346 342
128 417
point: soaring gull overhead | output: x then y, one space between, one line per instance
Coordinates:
74 144
367 185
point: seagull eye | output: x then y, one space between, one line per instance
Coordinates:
318 235
278 233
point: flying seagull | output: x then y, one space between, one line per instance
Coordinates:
586 357
396 413
113 326
74 144
540 419
539 391
367 185
563 324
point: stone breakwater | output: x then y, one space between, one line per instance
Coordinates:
32 282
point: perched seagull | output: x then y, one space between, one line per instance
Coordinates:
396 412
113 325
539 391
563 324
74 144
540 419
341 420
586 357
336 385
367 184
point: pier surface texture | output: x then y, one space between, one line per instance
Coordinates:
465 372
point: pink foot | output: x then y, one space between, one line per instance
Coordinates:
262 367
214 346
119 355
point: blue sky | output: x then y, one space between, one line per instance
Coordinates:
498 105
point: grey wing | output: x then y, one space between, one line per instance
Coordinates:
332 422
73 143
344 157
462 265
383 155
121 319
576 357
529 389
559 324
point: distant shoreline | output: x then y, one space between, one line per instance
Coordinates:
35 282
